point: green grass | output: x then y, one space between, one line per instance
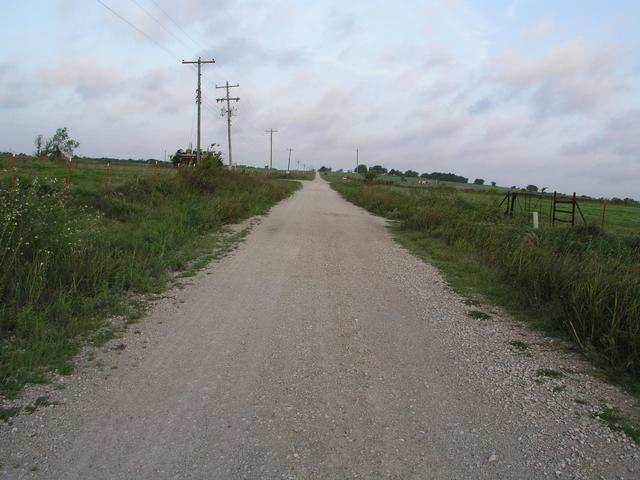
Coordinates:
579 282
69 257
619 218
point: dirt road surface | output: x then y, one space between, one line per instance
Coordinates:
319 349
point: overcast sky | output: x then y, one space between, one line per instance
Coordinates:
512 91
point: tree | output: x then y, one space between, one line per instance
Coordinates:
478 181
410 173
361 169
493 184
324 169
378 169
60 145
395 172
532 188
543 189
39 144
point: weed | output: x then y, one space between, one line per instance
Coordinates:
479 315
619 423
519 345
7 413
549 373
559 388
580 401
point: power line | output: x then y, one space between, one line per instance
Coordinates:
175 23
162 25
140 31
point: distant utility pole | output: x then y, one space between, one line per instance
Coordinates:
298 165
199 99
357 160
228 112
289 162
271 131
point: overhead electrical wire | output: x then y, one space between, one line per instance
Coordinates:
152 17
140 31
176 24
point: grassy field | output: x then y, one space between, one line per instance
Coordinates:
69 257
581 282
618 219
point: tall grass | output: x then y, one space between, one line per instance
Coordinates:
66 259
580 280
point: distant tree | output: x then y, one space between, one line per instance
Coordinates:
493 184
394 172
447 177
361 169
478 181
324 169
60 145
532 188
410 173
39 144
378 169
543 189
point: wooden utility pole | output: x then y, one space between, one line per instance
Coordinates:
271 131
199 62
357 160
228 112
289 162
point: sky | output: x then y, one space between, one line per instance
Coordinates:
543 92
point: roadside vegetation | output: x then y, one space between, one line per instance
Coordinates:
582 282
71 254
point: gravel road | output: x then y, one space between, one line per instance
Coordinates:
321 349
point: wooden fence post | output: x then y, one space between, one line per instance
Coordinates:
13 170
69 167
105 184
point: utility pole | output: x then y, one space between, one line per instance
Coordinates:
298 165
289 162
357 160
228 112
271 131
199 99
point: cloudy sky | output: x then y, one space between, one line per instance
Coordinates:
512 91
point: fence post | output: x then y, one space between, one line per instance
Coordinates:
13 170
604 209
69 167
105 184
536 223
